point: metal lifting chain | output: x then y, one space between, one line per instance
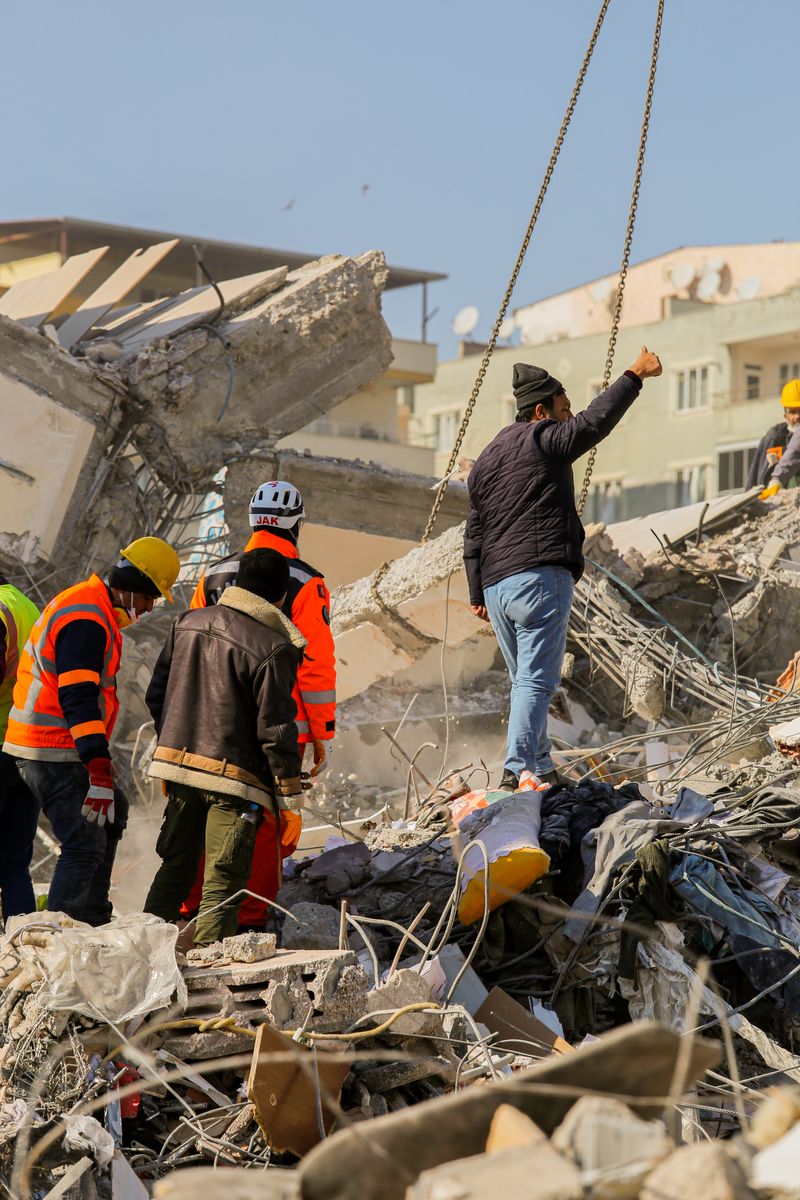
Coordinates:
487 354
626 250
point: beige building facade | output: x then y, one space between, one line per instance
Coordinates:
691 434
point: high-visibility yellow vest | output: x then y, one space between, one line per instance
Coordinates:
18 614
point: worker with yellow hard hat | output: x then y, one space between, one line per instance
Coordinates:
772 467
63 713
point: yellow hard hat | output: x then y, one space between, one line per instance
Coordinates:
790 396
155 559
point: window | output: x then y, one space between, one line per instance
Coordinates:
732 467
690 485
606 501
445 429
692 388
787 371
752 386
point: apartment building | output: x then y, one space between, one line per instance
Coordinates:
725 321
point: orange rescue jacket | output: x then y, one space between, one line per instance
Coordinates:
37 727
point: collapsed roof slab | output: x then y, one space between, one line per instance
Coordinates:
316 338
344 494
387 621
59 416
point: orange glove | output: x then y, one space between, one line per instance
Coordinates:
770 491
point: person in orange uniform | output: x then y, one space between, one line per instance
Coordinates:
63 713
276 516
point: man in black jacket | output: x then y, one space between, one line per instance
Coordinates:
221 700
523 539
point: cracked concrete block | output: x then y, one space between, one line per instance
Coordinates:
249 947
406 987
528 1173
328 987
311 927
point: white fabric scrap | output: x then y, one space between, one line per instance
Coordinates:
86 1133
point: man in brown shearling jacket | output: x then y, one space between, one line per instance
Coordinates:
221 700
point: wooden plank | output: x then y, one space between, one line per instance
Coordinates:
32 300
283 1093
114 289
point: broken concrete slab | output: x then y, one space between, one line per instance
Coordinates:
323 989
635 1060
613 1148
386 621
367 497
402 988
707 1169
527 1173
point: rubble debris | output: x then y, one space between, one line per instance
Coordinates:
311 927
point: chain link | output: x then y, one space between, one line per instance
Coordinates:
487 354
626 250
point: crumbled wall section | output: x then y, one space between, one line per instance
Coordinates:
313 341
343 494
69 403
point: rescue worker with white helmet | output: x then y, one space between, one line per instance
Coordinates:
277 513
64 709
774 466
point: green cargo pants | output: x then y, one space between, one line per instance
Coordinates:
225 827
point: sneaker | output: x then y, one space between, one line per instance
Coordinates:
509 782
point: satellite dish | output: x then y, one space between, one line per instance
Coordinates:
507 327
601 290
708 285
682 275
749 288
465 320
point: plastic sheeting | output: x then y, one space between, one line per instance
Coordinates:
117 971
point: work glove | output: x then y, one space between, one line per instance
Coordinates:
99 803
322 757
289 792
770 491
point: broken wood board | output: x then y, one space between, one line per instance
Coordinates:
516 1027
637 1060
32 300
194 307
111 291
289 1102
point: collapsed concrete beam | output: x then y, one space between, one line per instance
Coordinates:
386 621
316 338
59 416
347 495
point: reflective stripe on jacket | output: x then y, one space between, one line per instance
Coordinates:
37 727
18 614
308 607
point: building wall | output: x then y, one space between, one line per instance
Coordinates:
708 275
656 446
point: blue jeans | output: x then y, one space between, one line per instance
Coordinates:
82 877
529 614
19 815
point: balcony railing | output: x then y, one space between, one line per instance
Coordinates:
744 395
367 432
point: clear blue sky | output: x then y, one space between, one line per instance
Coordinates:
209 118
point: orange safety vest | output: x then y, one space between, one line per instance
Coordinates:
37 728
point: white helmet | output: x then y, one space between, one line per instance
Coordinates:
276 505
